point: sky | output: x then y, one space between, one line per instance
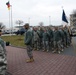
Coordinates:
36 11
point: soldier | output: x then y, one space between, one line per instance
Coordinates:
40 34
35 38
45 41
50 33
3 60
28 42
62 39
57 40
67 36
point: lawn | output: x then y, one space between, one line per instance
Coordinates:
15 40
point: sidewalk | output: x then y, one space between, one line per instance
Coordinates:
45 63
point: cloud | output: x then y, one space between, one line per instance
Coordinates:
36 10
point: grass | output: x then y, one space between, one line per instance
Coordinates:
15 40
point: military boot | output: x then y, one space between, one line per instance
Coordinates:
30 60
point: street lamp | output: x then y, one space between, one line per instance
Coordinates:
49 20
29 20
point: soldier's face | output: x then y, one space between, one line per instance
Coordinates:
26 27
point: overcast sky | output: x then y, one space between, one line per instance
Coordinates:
36 10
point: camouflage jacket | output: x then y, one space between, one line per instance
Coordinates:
28 37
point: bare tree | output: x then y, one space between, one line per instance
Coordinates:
19 22
2 26
41 24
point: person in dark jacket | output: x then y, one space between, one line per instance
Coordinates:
28 42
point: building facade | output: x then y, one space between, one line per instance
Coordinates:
73 20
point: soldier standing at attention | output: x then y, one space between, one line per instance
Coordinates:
28 42
57 40
3 60
45 40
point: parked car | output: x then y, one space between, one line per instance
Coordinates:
21 31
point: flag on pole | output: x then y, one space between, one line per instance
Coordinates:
64 18
8 5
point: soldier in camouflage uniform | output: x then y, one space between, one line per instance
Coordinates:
35 38
62 38
67 36
45 40
50 33
57 40
40 34
3 60
28 42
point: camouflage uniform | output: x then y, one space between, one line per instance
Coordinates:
50 33
28 42
35 39
57 41
62 38
67 37
40 34
45 41
3 60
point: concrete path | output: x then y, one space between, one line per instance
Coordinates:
45 63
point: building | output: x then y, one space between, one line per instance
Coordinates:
73 20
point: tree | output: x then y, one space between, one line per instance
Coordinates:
19 22
2 26
41 24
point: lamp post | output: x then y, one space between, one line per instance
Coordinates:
49 20
29 20
11 21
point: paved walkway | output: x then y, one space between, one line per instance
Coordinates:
45 63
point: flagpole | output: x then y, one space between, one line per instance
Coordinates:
62 7
62 21
9 17
11 21
29 20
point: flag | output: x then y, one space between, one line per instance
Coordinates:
8 5
64 18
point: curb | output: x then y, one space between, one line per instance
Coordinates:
18 47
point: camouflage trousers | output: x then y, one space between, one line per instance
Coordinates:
57 45
51 44
35 44
46 45
3 62
29 51
3 66
39 44
68 41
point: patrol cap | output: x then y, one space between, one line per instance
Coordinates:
27 24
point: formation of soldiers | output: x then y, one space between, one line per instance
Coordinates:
51 39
